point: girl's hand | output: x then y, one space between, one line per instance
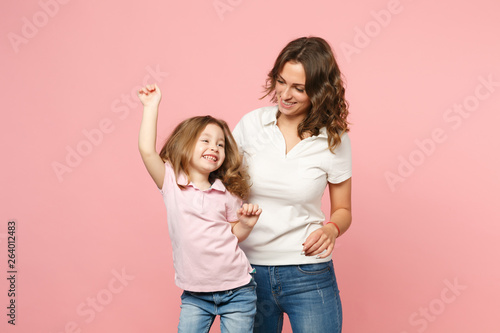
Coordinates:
320 240
249 214
150 95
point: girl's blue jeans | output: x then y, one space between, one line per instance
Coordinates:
308 294
236 308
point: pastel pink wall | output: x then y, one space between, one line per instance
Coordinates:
92 249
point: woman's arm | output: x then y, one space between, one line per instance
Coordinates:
324 238
150 97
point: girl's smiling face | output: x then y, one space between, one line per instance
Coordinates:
209 152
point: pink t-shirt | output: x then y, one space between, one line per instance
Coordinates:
206 254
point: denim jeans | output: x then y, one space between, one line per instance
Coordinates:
236 308
308 294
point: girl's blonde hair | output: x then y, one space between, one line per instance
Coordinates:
179 147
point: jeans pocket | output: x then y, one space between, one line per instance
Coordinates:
312 269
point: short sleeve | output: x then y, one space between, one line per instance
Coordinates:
250 125
341 167
238 133
233 203
169 178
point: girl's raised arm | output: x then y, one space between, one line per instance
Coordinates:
150 97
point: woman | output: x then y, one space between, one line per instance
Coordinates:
293 151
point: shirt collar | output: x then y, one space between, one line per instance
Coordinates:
269 118
322 133
217 185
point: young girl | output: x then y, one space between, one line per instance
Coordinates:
199 174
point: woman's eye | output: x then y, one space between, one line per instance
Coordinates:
280 81
300 90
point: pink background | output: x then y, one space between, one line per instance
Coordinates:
422 253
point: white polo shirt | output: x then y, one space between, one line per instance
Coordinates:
288 187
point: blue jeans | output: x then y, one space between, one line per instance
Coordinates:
308 294
236 308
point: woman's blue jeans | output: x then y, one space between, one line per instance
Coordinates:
236 308
308 294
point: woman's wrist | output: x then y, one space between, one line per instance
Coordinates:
336 227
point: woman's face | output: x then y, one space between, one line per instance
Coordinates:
293 101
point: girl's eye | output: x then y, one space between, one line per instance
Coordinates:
221 145
203 140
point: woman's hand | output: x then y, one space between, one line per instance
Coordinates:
150 95
324 238
320 242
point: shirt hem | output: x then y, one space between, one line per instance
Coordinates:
341 178
287 262
207 289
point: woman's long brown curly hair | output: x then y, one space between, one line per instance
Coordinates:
179 147
324 87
